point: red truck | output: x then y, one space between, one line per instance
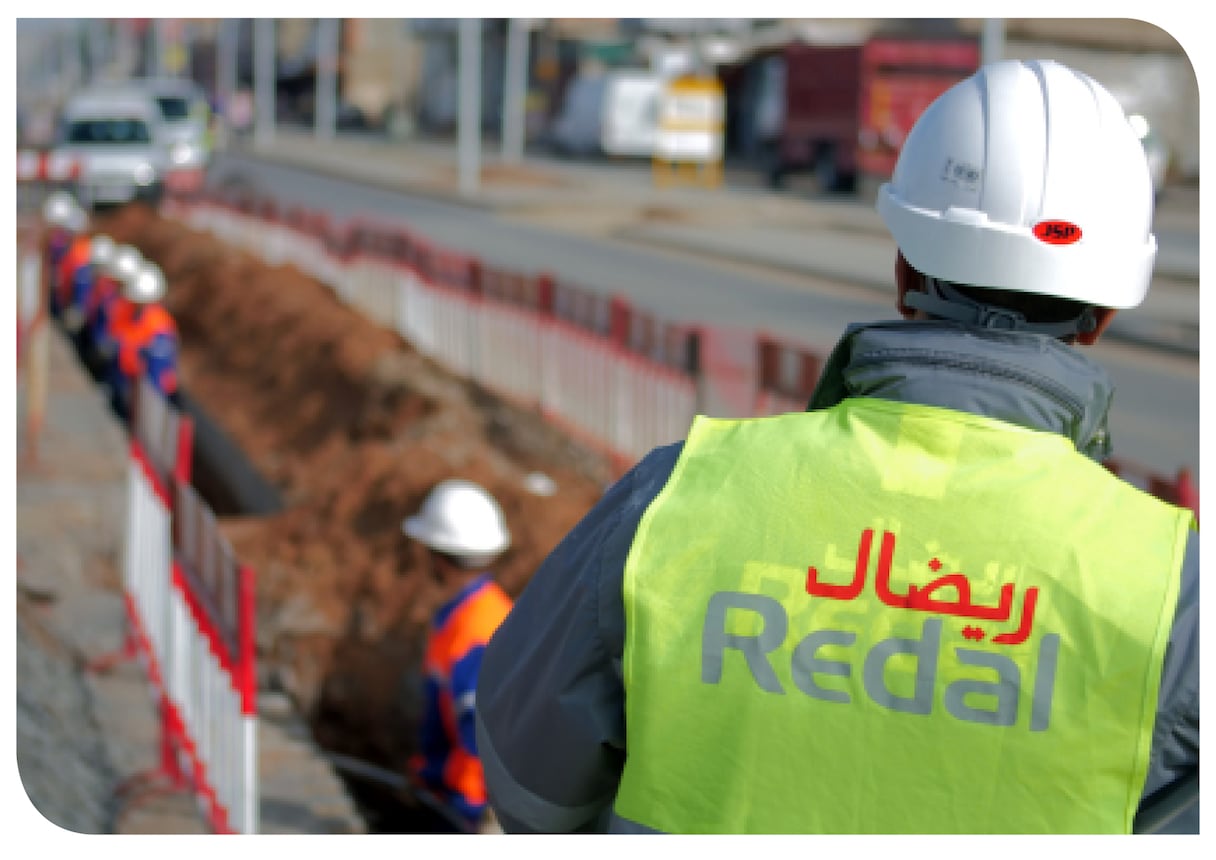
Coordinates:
848 108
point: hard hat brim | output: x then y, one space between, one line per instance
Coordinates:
971 250
417 528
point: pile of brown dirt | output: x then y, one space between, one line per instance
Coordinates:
353 427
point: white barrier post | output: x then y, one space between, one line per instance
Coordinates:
33 339
178 569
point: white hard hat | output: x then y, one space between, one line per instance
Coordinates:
77 220
147 286
1026 176
60 208
460 518
125 263
101 250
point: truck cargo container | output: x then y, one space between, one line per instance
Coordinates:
843 110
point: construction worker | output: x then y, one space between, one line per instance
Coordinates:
84 278
65 221
922 605
464 532
63 217
146 338
74 259
102 346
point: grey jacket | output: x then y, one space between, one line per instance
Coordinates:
550 697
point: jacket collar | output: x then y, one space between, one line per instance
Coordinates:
1031 380
444 612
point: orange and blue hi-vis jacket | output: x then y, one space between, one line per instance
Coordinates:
98 309
75 257
447 761
147 342
79 292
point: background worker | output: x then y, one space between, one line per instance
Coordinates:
147 341
464 532
124 265
922 605
75 258
76 299
63 217
66 223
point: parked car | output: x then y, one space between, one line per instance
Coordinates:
631 114
185 119
115 136
576 130
613 113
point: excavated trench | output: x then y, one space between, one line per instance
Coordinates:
317 432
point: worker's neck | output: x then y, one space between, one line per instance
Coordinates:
457 580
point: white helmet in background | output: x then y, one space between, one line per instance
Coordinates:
101 250
60 208
147 286
125 263
460 518
1026 176
77 220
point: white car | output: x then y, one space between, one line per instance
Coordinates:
115 136
630 121
613 113
185 116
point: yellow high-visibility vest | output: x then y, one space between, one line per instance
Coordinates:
884 618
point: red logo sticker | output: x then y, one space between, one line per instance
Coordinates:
1057 232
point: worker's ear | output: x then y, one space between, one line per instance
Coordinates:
1102 319
907 279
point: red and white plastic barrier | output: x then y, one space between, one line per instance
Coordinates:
507 324
274 233
41 171
213 677
44 166
190 607
373 274
577 381
451 277
786 376
185 181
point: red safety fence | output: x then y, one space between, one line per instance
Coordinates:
185 181
46 166
190 611
787 376
41 171
611 374
189 606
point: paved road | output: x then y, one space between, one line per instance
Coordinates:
674 262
